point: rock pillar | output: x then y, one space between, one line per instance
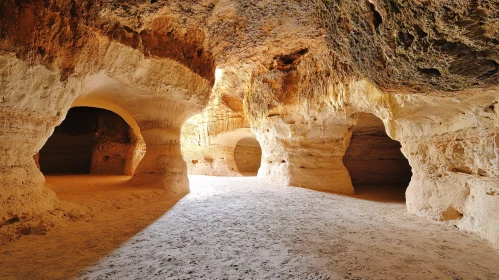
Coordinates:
22 190
163 165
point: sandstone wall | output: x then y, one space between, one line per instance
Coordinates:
117 147
71 61
94 141
454 159
449 141
304 71
209 138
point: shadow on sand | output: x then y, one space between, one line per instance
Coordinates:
381 193
97 215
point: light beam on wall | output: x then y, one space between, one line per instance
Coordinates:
218 74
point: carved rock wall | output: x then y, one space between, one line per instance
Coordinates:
209 138
453 152
91 140
72 62
449 141
118 149
296 74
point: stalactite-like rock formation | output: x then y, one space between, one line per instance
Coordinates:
298 75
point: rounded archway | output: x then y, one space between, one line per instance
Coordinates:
374 161
91 141
248 156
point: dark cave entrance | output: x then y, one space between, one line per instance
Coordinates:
89 141
248 156
376 165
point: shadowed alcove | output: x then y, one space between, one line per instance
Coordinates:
248 156
375 162
91 141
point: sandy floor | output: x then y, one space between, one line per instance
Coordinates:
245 228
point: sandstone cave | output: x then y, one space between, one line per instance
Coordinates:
248 156
249 139
374 161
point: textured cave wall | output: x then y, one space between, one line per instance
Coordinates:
212 160
54 33
55 53
210 137
303 137
434 65
427 69
456 158
449 140
429 76
373 158
414 46
117 149
215 155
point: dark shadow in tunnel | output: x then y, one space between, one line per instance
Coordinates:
89 140
99 215
378 169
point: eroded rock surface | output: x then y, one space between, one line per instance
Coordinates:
298 75
54 55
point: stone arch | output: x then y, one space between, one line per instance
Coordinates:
159 93
138 151
216 158
93 140
374 161
110 106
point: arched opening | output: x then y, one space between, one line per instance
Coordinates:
376 165
248 156
91 141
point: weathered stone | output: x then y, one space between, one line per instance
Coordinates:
297 75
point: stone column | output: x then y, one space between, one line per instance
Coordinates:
162 165
309 162
22 190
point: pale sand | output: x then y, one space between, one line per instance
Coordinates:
244 228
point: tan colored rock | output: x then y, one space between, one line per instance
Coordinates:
445 139
209 139
109 73
209 142
298 75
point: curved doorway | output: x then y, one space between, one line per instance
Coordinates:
91 141
248 156
376 165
